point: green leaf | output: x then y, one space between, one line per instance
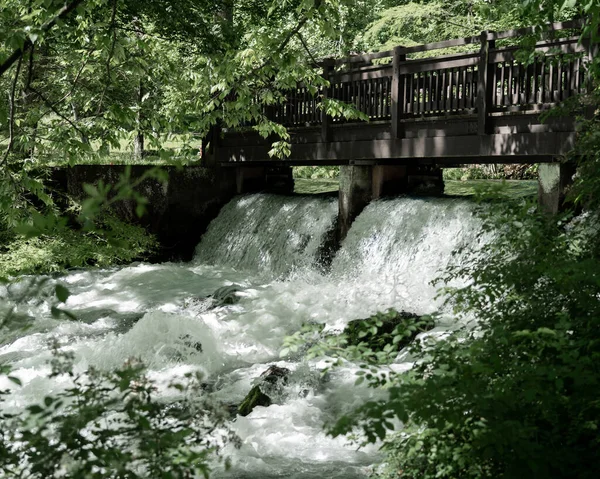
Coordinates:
62 293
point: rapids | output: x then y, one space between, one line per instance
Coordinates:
267 246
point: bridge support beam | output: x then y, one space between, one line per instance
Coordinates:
359 185
356 192
553 179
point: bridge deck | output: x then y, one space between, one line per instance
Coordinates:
470 107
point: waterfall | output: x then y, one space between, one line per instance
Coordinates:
268 233
266 248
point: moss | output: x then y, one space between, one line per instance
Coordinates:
397 328
254 398
63 248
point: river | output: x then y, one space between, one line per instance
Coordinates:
268 246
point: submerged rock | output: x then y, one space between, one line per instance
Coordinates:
270 380
381 329
226 295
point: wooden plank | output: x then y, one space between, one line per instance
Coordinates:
551 83
543 81
411 94
578 23
559 82
457 42
502 83
534 97
464 87
528 81
567 46
364 58
455 93
437 64
568 80
443 91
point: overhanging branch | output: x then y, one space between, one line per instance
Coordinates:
18 53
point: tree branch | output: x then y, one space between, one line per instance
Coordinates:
18 53
313 59
11 121
53 108
113 27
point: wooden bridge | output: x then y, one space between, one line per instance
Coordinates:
481 105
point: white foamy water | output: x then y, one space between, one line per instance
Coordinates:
267 247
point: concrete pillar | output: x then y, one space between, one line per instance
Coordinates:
250 179
280 180
553 179
356 192
389 180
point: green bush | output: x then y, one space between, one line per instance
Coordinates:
112 425
112 242
517 397
317 172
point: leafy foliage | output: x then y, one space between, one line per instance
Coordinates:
111 425
113 242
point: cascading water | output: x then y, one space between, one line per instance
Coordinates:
267 247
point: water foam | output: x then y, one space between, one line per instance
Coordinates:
161 314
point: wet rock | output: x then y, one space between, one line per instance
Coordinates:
380 329
226 295
270 381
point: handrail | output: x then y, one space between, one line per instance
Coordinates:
456 42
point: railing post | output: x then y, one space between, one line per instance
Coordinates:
328 68
483 96
591 47
397 96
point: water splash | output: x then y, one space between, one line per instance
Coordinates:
162 314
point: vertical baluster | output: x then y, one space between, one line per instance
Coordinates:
509 86
414 92
370 99
447 90
542 84
551 82
437 85
420 92
519 83
502 66
534 97
380 100
456 95
527 90
569 79
462 81
443 91
577 76
558 82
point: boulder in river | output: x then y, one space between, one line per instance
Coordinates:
382 328
226 295
270 380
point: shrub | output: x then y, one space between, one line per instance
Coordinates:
111 242
112 425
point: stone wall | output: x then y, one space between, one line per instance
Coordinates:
178 212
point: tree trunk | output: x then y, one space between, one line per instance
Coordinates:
138 141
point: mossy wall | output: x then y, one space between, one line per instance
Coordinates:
178 212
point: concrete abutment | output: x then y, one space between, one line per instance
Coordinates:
360 184
553 181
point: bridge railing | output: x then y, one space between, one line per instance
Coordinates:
391 87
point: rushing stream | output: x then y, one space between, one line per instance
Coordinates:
268 246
